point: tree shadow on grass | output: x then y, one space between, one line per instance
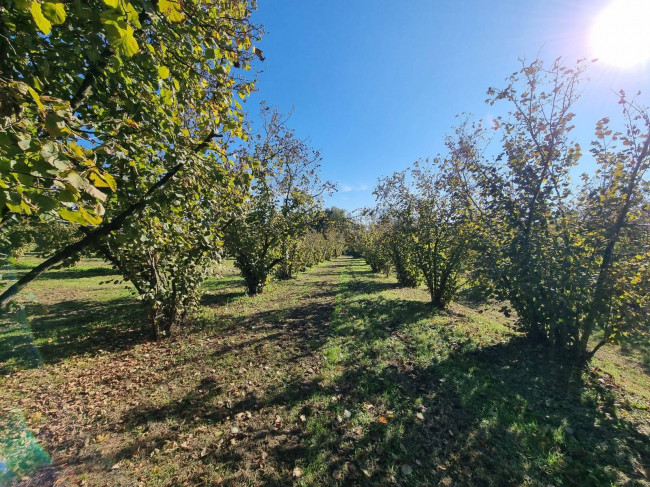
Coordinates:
70 328
81 273
296 332
638 347
219 299
15 271
508 414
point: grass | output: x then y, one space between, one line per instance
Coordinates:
336 378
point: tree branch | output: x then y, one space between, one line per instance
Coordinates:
90 239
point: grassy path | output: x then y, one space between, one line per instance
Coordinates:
338 377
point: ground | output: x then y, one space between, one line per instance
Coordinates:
336 378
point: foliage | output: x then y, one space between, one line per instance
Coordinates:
283 201
569 259
108 100
369 241
323 241
105 102
25 234
431 229
171 248
444 231
394 209
95 93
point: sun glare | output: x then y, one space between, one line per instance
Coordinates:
620 35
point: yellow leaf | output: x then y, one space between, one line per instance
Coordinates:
92 219
171 9
110 181
128 45
121 38
71 216
163 72
42 23
131 123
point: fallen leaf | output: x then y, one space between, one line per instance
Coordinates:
303 418
297 472
347 414
382 419
419 416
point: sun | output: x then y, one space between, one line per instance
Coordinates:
620 35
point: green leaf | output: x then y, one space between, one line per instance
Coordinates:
54 12
55 125
45 203
121 38
42 23
49 151
24 143
75 181
66 196
23 5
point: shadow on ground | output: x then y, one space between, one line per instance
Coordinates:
506 414
638 346
55 332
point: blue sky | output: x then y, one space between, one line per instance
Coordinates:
376 85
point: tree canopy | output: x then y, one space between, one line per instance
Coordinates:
105 101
